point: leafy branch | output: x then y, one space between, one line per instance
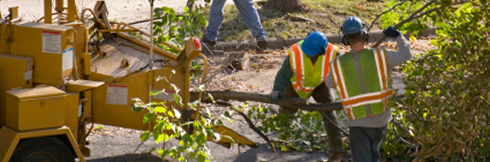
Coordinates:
381 14
412 16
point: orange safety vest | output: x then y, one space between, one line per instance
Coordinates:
308 76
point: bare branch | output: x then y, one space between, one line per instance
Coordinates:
381 14
251 125
410 7
426 12
331 122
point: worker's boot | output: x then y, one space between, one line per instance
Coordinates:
208 41
261 45
335 156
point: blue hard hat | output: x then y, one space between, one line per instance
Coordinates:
314 43
352 25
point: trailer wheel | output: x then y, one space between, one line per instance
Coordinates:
42 149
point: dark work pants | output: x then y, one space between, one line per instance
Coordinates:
322 95
365 143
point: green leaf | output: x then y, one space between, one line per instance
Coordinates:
201 138
187 139
284 148
168 126
145 136
151 150
154 93
170 114
218 122
165 153
173 153
165 137
159 138
99 127
201 157
148 118
216 137
158 127
136 107
196 124
229 137
227 114
211 97
160 109
178 99
158 12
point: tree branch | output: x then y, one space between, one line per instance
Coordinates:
410 18
297 103
251 125
331 122
426 12
377 17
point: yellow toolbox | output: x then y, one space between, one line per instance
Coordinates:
35 108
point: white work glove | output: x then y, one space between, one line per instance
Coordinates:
275 95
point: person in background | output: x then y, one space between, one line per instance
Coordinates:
362 78
249 14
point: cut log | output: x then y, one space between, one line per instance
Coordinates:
239 60
292 103
299 18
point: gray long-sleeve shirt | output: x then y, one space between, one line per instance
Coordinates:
394 58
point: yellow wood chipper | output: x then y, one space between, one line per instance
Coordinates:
59 73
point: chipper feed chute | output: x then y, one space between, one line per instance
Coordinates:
125 65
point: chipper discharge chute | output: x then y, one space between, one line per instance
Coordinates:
59 73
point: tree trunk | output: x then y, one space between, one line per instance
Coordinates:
285 6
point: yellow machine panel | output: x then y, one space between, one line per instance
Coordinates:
49 45
15 72
35 108
72 112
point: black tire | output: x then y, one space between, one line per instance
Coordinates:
49 149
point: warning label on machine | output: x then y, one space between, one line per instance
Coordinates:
28 74
51 42
117 94
67 59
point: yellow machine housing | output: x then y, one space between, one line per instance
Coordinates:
57 75
49 45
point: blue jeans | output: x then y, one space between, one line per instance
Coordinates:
364 143
246 9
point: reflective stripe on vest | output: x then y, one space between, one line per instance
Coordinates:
369 97
308 76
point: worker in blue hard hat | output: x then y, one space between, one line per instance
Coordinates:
303 75
362 78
